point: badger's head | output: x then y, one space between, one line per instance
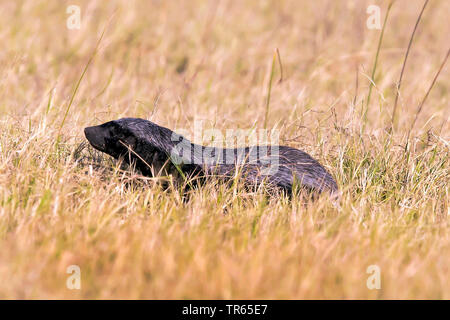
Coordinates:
137 141
115 138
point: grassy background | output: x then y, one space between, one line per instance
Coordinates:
175 62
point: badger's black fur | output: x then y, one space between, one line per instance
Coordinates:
156 150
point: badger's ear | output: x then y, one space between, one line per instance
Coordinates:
112 127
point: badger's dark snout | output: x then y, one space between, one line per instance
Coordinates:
96 136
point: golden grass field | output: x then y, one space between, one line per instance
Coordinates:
176 62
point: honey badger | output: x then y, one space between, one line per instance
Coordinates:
154 150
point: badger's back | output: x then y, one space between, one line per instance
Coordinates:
280 166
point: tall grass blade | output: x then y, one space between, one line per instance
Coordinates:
394 110
94 53
269 90
419 108
374 69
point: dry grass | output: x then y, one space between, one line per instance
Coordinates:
174 62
